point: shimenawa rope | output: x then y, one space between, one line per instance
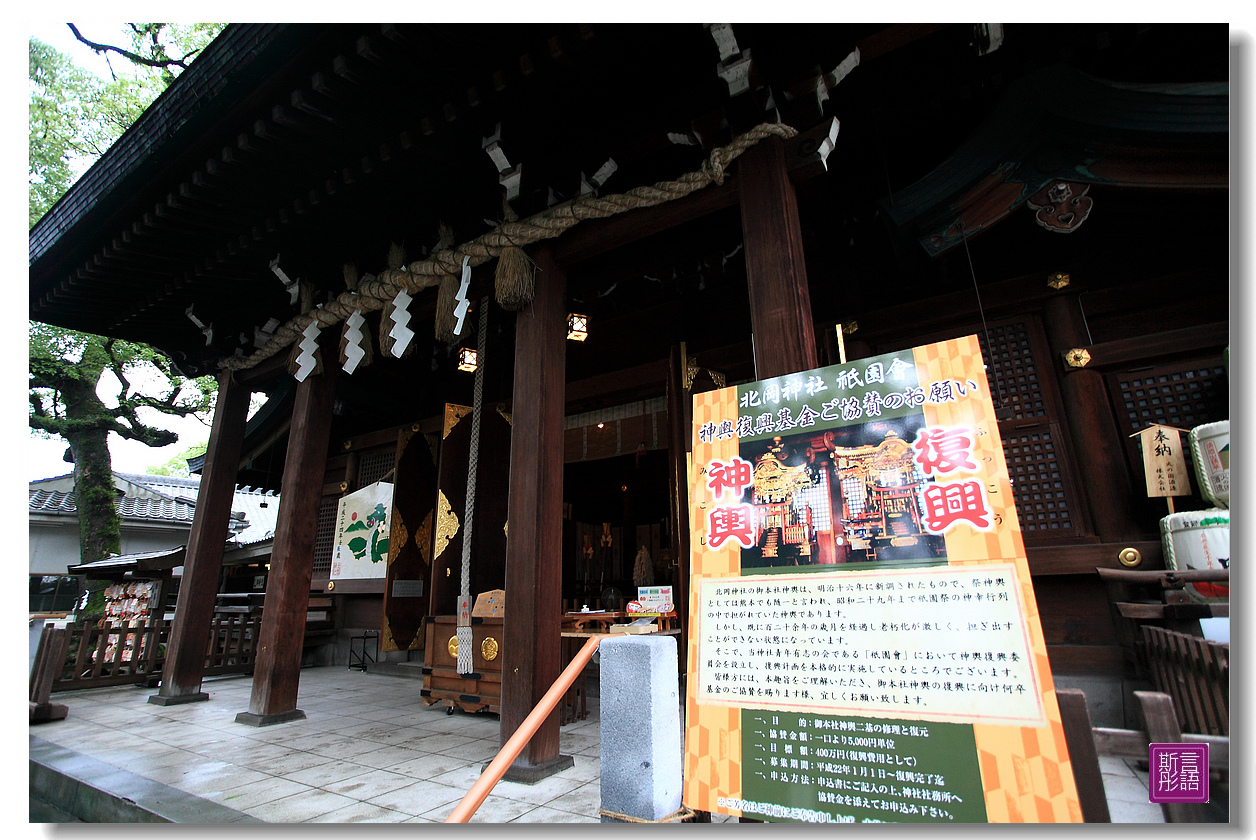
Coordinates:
681 814
373 294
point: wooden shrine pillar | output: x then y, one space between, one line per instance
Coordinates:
277 665
531 652
1092 426
679 437
184 667
776 273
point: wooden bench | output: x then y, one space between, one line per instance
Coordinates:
1086 744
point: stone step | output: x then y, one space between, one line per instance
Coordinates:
88 790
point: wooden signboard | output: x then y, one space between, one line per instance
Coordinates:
1164 461
865 644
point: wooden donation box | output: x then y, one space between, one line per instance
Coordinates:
474 692
481 689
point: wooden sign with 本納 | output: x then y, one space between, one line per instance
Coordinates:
1164 462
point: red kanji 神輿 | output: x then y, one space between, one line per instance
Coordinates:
735 477
735 522
948 504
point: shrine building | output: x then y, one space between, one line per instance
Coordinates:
611 219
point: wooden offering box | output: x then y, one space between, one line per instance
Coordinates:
478 691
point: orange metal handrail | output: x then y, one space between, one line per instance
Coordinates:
511 749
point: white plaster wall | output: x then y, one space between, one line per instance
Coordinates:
54 544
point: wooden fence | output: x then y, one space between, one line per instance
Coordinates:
119 655
1196 674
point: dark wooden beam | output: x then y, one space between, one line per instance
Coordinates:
184 668
894 38
590 239
1085 558
1144 349
534 550
1016 294
277 670
776 270
647 377
1096 438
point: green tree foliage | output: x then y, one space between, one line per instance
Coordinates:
65 372
74 117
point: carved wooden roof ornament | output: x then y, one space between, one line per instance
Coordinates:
1061 206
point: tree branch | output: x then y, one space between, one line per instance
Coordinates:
161 64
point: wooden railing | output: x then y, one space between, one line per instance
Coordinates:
1195 672
118 655
1160 726
111 655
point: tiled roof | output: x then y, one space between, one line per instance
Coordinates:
166 485
51 501
261 512
148 510
168 499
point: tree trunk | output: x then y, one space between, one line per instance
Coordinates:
99 525
87 431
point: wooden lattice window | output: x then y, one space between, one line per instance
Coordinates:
1038 480
1184 395
1012 369
325 535
373 466
1022 383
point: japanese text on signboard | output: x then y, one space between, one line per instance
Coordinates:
944 644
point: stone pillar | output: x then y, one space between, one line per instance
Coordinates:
642 751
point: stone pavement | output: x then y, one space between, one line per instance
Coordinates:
368 751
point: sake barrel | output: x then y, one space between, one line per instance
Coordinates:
1198 539
1210 448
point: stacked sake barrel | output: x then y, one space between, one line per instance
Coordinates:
1200 539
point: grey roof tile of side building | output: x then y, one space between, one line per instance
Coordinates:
159 498
130 508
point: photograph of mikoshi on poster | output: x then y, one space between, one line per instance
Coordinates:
864 640
360 546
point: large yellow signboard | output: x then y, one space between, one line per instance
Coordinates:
864 643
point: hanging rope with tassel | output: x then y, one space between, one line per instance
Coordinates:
514 283
464 594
